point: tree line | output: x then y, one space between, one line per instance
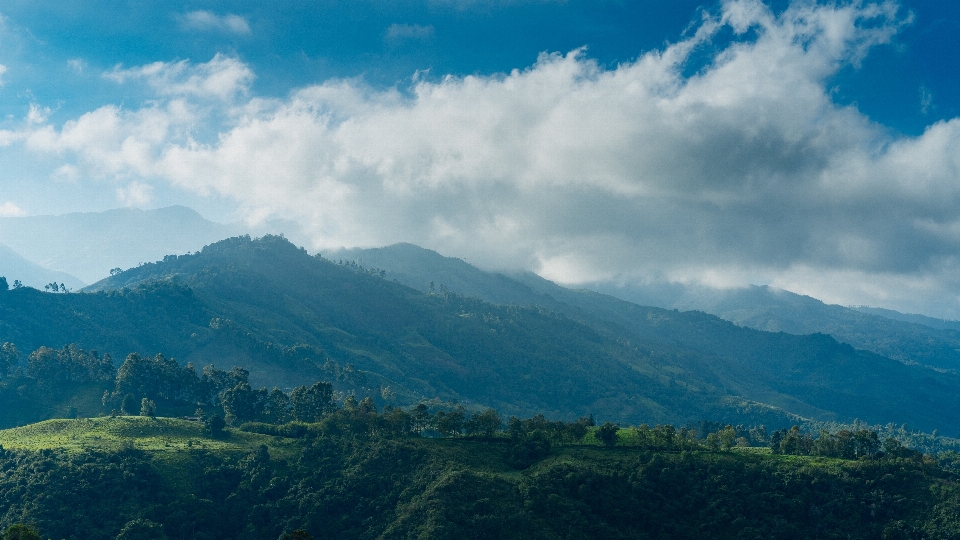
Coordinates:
144 385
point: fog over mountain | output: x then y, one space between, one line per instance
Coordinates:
90 244
14 267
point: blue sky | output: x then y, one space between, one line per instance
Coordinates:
806 145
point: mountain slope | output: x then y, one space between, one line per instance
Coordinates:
89 244
15 267
581 353
911 339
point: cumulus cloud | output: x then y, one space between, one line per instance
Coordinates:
222 77
208 21
8 209
744 172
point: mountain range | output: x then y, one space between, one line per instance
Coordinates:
290 317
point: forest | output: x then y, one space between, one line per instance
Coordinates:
174 452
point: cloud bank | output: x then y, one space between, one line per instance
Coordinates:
743 172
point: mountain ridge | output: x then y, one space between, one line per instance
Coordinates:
568 354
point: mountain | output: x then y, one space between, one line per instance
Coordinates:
290 318
908 338
90 244
932 322
15 267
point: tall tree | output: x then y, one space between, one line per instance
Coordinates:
311 404
608 434
9 358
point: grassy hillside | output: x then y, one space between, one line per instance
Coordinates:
107 434
91 478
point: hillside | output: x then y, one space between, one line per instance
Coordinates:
291 318
909 338
15 267
100 479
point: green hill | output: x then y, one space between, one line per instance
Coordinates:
291 318
162 478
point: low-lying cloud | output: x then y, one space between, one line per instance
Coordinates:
745 172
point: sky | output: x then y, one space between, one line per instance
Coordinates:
812 146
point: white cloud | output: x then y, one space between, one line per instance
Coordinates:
67 174
402 32
222 77
3 70
8 209
135 194
744 172
206 21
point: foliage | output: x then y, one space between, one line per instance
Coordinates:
369 485
20 531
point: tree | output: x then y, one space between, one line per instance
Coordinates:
276 410
311 404
129 404
214 425
243 404
9 358
451 423
4 286
608 434
528 450
486 423
148 408
21 532
420 415
728 437
17 284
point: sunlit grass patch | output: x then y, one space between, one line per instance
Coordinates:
111 434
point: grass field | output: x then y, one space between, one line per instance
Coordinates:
143 433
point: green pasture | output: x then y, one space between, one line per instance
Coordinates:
156 435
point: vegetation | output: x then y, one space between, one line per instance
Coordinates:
359 473
291 319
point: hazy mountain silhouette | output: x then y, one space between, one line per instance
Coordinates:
909 338
89 244
15 267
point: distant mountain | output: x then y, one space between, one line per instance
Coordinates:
15 267
287 316
909 338
88 245
910 317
